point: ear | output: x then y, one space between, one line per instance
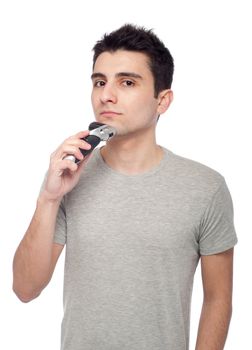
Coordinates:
165 98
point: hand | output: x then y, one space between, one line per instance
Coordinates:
63 174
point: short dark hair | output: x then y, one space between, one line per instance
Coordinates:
133 38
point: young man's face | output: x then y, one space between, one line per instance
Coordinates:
123 92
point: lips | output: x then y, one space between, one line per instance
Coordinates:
112 113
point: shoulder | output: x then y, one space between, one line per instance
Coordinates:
192 174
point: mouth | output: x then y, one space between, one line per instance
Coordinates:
109 113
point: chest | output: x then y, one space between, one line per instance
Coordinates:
157 217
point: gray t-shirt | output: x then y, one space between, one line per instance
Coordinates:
133 243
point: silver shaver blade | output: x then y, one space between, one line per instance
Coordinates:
104 132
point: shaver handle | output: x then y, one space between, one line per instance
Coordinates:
93 141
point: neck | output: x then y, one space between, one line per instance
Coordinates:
132 154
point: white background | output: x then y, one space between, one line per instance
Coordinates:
45 68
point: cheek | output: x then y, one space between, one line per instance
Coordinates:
147 107
140 102
93 99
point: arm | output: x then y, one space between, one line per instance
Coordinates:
217 278
37 254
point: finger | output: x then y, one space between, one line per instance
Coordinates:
67 164
78 167
79 143
61 166
82 163
63 152
64 149
80 134
71 149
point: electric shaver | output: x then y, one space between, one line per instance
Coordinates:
98 132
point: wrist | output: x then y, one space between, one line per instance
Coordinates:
46 198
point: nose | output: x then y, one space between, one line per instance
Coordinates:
108 94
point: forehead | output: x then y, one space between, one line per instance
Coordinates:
110 63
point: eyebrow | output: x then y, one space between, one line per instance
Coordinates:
118 75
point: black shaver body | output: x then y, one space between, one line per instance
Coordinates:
98 132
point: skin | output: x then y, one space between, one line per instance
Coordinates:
37 254
132 151
217 279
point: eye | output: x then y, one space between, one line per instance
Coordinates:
128 83
99 83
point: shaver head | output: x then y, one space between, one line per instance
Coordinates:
98 132
103 131
94 125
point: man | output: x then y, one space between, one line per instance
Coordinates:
135 218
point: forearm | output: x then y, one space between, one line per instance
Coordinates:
31 264
213 325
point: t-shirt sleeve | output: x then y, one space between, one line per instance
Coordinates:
217 231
